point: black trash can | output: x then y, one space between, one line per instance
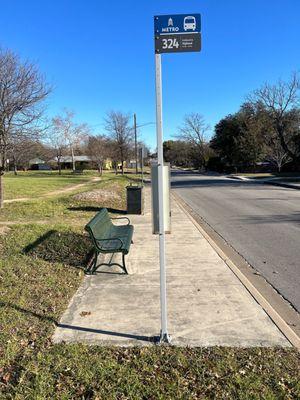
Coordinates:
135 199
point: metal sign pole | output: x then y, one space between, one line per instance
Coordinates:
142 164
164 337
172 34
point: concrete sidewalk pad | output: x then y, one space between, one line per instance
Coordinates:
207 304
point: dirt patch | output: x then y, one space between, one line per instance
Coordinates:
71 188
99 195
4 230
19 199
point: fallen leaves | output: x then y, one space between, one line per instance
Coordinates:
5 376
85 313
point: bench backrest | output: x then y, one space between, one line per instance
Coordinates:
100 225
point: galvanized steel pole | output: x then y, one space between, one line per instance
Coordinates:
135 145
164 336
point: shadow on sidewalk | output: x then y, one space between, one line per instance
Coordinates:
150 339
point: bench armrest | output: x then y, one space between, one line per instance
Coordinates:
110 239
128 223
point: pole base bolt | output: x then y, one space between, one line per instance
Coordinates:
164 338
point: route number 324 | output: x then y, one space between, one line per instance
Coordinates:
170 43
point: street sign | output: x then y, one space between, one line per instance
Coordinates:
177 33
172 34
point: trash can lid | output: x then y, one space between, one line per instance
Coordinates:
134 186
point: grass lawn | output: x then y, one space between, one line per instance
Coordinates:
42 264
37 183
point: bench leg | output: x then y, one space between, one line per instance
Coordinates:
124 265
95 262
93 267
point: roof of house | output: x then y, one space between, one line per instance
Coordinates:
68 159
36 161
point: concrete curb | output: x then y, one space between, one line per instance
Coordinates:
278 319
238 178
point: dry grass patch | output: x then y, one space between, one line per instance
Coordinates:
99 195
4 230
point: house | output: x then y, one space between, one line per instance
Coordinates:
38 164
132 164
81 162
107 164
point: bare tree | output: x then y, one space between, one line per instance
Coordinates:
58 144
194 131
70 132
117 125
281 101
98 150
113 153
19 152
276 153
22 90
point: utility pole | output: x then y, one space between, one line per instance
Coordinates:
135 145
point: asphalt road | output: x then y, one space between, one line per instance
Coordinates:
261 222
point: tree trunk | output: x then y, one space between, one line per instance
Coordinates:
15 169
73 160
1 188
294 157
279 168
59 168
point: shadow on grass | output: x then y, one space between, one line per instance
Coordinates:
28 312
68 248
74 327
97 209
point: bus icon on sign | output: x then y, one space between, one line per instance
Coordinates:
189 23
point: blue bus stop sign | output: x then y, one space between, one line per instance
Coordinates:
177 33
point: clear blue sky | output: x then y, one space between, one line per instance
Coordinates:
99 55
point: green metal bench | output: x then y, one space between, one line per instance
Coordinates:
108 238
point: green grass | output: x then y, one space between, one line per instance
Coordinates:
41 266
31 184
64 205
37 183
